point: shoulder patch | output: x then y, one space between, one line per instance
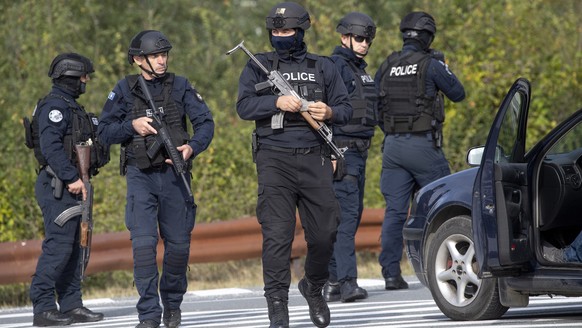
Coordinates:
111 95
199 97
55 115
446 67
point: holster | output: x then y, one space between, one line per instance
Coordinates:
122 161
437 134
437 137
340 169
254 145
56 183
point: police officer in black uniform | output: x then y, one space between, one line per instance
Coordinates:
411 84
58 123
156 196
357 32
293 164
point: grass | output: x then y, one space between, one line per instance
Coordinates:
201 276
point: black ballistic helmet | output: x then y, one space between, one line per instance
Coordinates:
70 64
357 24
288 15
418 21
147 43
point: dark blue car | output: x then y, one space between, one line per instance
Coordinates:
476 238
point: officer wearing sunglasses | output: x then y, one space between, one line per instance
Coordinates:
357 31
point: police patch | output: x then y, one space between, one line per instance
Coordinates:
199 97
111 95
55 115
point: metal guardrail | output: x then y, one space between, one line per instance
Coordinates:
211 242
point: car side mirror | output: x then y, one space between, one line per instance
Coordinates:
474 156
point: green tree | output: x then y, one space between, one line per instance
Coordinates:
488 44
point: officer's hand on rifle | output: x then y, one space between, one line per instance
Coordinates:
319 111
186 152
78 187
288 104
142 126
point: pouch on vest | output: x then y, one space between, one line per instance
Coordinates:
138 149
27 133
99 151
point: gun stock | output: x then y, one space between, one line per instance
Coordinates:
83 153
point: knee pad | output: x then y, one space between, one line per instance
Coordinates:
176 257
144 256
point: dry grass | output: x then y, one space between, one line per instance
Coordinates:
201 276
248 273
231 274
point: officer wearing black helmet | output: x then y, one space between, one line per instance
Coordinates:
58 123
357 31
157 199
411 84
293 164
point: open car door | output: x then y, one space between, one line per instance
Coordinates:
501 208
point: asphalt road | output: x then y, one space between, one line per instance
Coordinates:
235 308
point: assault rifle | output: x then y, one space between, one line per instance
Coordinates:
85 209
277 80
163 138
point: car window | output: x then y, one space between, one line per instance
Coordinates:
569 142
508 133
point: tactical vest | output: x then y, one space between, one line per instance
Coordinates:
307 80
364 102
406 107
82 128
171 114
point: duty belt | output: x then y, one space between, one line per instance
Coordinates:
427 134
302 151
360 144
133 162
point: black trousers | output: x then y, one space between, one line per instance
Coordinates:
58 270
291 181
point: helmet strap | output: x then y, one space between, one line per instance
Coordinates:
351 47
151 71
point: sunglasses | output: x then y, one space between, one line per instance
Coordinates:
360 39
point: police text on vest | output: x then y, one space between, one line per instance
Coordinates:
403 70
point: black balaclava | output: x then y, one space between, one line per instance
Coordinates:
72 84
288 44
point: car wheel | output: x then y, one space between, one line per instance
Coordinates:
452 274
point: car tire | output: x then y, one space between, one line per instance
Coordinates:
452 274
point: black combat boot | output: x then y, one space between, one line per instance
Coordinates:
51 318
318 310
148 324
397 282
172 318
278 312
350 291
83 314
331 291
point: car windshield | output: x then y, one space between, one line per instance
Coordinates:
569 142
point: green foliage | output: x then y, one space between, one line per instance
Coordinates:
14 295
488 44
